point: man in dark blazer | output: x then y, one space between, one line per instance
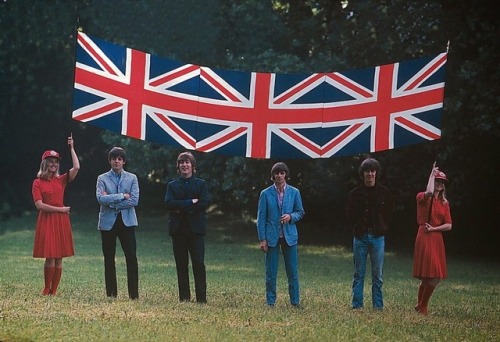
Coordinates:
187 199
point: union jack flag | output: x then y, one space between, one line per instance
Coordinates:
257 115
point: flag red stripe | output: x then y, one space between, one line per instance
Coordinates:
285 96
341 137
217 86
135 115
101 60
177 131
302 141
214 144
260 115
336 77
418 128
174 75
99 111
426 74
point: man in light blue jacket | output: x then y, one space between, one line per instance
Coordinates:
117 192
280 208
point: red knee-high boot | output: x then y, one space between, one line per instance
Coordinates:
48 274
55 281
426 295
419 298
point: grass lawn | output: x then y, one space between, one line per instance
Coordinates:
465 307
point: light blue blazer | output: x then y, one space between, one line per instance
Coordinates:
269 213
114 202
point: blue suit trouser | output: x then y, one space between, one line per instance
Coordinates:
290 256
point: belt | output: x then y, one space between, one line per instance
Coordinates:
369 230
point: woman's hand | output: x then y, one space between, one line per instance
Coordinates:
66 210
435 170
70 141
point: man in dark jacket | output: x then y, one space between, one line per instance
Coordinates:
187 199
369 210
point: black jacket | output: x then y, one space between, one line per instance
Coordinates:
359 205
179 196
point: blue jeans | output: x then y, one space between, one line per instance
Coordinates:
374 246
290 256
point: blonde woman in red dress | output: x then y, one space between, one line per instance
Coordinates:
53 235
433 218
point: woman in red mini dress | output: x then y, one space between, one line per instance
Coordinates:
53 236
433 218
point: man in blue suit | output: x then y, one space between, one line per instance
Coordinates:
117 192
280 208
187 199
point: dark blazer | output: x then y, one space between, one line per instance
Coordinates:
179 200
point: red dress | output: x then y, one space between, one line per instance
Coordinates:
429 258
53 235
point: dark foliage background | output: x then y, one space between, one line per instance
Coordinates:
37 44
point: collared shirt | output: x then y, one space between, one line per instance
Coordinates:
116 179
116 176
281 195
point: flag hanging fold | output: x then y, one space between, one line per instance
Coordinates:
253 114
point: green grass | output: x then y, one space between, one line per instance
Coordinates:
464 308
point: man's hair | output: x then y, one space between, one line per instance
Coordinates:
117 152
280 166
187 156
43 173
369 164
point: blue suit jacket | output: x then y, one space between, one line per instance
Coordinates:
179 200
268 215
114 201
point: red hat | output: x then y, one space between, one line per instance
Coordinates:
442 175
50 154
